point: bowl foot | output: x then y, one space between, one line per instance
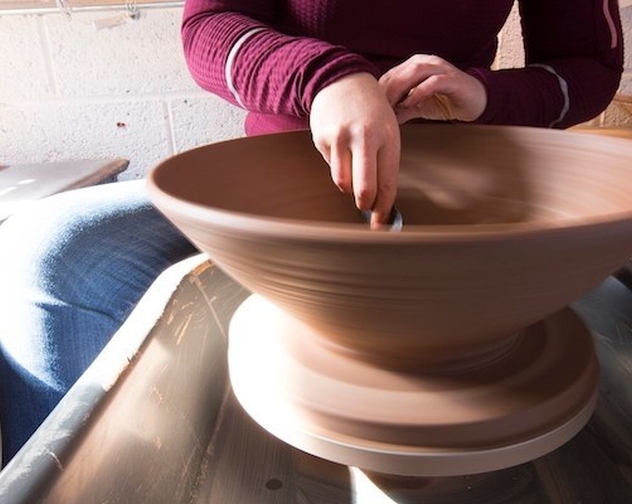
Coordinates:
521 405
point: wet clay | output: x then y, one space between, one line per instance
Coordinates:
503 227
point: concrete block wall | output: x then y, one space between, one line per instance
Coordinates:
101 85
72 90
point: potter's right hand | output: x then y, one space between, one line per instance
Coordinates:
355 129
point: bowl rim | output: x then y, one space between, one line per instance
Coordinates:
320 231
315 230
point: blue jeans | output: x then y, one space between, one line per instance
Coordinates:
72 268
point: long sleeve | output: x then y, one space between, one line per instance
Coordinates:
272 57
234 50
574 59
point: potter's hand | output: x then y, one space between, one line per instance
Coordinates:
355 129
429 87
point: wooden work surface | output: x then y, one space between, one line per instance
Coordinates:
20 184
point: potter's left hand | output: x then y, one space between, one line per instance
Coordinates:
429 87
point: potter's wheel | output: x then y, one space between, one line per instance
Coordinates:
523 404
504 227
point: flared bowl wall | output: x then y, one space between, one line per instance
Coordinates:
503 226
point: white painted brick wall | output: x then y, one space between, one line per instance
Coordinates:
80 92
69 90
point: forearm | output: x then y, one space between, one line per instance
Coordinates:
557 95
574 58
251 64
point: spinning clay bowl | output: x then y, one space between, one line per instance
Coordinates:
502 227
423 351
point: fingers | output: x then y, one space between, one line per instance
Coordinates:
340 165
356 130
364 172
369 176
429 87
388 161
354 169
399 80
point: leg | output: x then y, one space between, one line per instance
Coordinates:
73 266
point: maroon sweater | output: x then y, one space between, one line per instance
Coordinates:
272 56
